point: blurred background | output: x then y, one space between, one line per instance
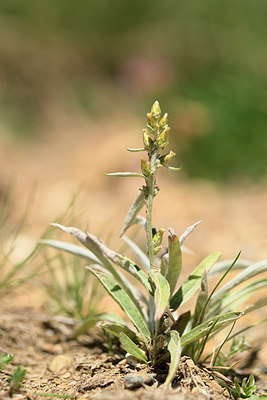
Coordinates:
76 80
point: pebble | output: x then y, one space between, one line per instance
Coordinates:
133 381
59 363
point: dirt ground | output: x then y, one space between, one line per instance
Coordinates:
74 153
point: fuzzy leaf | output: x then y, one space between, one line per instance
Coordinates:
72 248
124 301
181 322
133 269
133 211
201 330
104 254
161 295
130 347
175 349
259 304
192 284
144 261
125 174
243 276
201 299
116 329
175 260
135 150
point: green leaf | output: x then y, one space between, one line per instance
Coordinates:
175 260
135 150
133 269
72 248
175 349
192 284
201 330
125 175
116 329
133 211
130 347
142 257
104 254
125 302
259 304
161 295
201 299
243 276
181 323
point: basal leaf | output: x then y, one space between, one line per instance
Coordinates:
106 256
175 349
192 284
201 299
133 211
130 347
161 295
259 304
72 248
125 302
116 329
203 329
175 260
133 269
142 257
243 276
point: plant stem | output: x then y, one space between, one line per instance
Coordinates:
150 188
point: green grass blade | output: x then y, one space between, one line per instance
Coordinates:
243 276
124 301
133 211
175 349
222 266
116 329
201 330
175 260
131 348
161 295
192 284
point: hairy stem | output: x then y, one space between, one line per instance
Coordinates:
150 196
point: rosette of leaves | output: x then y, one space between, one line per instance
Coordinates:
158 333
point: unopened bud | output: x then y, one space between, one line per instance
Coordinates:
162 139
157 238
145 167
155 110
147 139
166 158
163 121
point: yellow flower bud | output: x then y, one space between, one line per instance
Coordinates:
163 121
147 139
162 139
166 158
155 110
145 167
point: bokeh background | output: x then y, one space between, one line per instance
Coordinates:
76 80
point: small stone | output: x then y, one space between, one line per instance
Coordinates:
59 363
133 381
